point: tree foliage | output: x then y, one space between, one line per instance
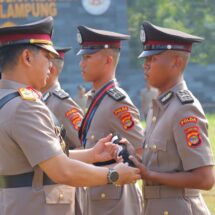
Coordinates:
192 16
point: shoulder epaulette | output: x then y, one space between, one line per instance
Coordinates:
166 97
61 94
185 97
46 96
115 94
27 94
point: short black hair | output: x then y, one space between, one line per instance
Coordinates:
9 54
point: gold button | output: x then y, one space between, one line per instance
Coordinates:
154 119
85 110
166 213
154 146
61 196
92 137
103 195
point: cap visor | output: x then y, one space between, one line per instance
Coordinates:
49 48
150 53
87 51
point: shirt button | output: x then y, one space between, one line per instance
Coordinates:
166 213
154 146
103 195
154 119
61 196
92 137
146 146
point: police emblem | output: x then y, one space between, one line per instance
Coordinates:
193 137
142 36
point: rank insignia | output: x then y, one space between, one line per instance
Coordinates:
75 117
125 117
27 94
165 98
185 97
187 120
61 94
193 137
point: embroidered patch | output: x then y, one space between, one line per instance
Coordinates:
189 119
125 117
193 136
120 110
75 117
27 94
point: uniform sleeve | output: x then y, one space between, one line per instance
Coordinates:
125 120
191 137
70 115
34 132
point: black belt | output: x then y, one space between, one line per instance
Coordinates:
21 180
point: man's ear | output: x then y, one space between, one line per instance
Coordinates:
27 57
109 59
179 62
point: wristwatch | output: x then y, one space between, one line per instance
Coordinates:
112 176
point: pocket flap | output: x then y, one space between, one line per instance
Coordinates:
105 192
59 194
157 145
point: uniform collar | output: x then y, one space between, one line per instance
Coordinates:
164 99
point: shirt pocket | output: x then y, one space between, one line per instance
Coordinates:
107 192
59 194
158 154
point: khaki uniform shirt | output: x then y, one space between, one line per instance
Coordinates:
176 140
27 138
121 117
68 113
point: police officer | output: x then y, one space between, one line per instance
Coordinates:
65 109
109 110
177 158
31 156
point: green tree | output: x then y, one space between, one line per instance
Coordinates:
193 16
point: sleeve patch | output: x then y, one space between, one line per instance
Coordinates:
75 118
125 117
187 120
120 110
193 137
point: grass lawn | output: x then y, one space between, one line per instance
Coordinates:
209 196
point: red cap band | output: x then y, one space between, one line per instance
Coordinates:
17 37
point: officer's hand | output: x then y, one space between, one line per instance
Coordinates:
127 174
143 170
129 146
105 150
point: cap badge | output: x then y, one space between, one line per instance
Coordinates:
106 46
79 38
142 36
169 47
